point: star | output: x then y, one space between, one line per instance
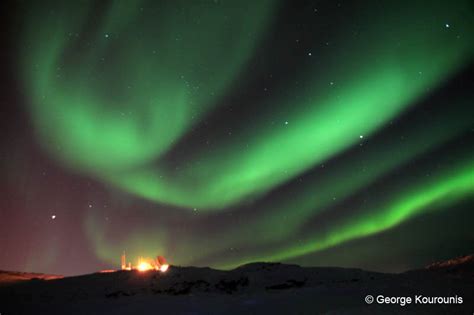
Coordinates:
446 25
53 217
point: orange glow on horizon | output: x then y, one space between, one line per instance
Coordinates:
163 268
144 266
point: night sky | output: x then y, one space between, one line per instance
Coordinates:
217 133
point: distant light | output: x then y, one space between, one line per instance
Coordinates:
286 123
106 35
53 217
447 25
361 136
163 268
144 266
309 54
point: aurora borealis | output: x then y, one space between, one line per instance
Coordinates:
218 133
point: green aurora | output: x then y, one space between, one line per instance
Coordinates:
113 92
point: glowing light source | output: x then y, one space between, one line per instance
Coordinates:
144 266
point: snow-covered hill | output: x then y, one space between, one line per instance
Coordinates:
256 288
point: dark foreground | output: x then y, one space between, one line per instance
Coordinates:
251 289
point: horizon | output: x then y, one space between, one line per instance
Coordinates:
248 263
